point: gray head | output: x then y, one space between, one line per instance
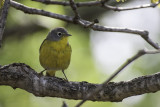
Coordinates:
57 34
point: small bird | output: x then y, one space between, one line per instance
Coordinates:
55 52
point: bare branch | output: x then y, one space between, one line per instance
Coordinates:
29 10
91 24
85 23
142 33
130 8
3 19
98 3
103 85
74 8
66 3
19 75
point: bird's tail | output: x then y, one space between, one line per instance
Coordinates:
50 73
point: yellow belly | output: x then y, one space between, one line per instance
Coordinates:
55 55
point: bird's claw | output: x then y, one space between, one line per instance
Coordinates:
41 73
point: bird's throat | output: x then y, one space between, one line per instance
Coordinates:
59 44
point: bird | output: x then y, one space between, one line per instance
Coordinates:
55 51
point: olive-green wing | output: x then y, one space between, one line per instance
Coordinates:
41 45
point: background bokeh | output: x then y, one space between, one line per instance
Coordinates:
95 55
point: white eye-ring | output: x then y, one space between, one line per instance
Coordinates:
59 34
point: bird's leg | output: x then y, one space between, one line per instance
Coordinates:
41 73
64 75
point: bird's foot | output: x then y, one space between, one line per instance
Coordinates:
41 73
64 79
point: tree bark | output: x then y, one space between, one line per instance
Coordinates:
20 75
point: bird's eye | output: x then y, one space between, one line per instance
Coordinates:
59 34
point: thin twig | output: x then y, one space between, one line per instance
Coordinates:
98 3
30 10
130 8
101 86
66 3
74 8
144 34
91 24
85 23
3 18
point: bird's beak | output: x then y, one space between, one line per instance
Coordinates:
68 34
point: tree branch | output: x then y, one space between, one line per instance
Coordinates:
84 23
153 5
19 75
74 8
66 3
3 18
130 60
97 3
30 10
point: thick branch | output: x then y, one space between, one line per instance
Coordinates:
3 18
19 75
85 23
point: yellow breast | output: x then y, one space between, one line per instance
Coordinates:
55 55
